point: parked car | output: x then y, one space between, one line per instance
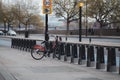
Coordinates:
1 33
11 33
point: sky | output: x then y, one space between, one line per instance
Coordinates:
52 19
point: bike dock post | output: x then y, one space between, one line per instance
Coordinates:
74 54
100 61
90 56
111 62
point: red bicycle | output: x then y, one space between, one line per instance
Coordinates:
43 50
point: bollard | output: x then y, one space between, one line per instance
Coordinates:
31 44
50 47
88 56
65 49
26 48
74 52
68 50
60 50
111 62
29 47
12 43
80 55
22 44
15 41
19 42
99 57
26 45
83 52
92 58
102 59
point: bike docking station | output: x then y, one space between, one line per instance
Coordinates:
102 56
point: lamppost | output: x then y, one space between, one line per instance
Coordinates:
86 18
80 4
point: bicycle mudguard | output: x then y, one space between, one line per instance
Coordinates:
39 47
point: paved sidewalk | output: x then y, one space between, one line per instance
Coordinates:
19 65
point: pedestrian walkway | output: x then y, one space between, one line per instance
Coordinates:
19 65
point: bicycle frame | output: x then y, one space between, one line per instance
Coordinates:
42 48
39 47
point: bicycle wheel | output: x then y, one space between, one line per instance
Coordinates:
57 52
37 54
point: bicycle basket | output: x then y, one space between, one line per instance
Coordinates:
39 47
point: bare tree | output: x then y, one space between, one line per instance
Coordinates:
26 11
66 9
101 10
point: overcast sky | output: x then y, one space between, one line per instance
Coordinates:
52 19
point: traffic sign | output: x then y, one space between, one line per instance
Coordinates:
47 3
47 10
47 6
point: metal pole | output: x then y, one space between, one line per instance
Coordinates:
46 28
86 19
80 23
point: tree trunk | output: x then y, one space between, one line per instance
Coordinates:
67 32
100 34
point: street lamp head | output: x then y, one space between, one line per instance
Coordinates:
80 4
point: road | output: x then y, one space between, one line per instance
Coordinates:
84 39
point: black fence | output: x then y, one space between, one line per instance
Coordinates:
92 55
